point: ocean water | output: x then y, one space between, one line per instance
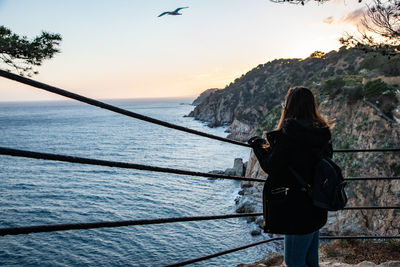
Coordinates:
34 192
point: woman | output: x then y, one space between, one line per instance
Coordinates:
301 134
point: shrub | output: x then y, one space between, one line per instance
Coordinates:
317 54
375 88
392 67
334 86
381 94
354 93
387 109
269 120
373 61
395 168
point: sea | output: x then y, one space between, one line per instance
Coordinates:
41 192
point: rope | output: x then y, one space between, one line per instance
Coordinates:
372 178
128 113
111 224
396 149
372 208
103 105
116 164
93 225
182 263
360 237
71 159
222 252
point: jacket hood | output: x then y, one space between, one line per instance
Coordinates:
305 132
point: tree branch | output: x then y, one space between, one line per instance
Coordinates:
22 54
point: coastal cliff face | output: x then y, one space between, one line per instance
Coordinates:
360 91
203 96
255 93
358 126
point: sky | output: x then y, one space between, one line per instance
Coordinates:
118 49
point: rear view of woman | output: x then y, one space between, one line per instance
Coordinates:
302 133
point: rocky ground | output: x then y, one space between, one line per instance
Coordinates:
331 264
277 261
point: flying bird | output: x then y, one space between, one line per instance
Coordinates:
174 13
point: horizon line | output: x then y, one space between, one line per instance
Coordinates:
103 99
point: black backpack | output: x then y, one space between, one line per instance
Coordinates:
327 188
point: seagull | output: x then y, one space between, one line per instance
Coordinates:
175 12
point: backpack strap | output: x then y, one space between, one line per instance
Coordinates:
327 148
305 186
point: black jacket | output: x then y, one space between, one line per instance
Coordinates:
288 209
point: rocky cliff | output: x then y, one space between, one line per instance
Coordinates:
244 102
360 91
203 96
358 126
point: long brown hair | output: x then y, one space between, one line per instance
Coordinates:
300 104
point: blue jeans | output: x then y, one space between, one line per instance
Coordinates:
302 250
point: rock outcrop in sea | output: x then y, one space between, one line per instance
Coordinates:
238 169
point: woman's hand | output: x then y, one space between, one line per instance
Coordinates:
256 141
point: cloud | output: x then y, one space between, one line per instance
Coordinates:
339 2
353 17
329 20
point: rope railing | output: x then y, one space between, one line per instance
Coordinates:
372 178
125 165
116 164
131 114
111 224
210 256
396 149
372 208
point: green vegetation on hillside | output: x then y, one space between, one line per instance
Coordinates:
383 95
340 78
331 74
388 66
269 121
352 89
347 76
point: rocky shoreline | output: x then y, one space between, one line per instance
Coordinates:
264 263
